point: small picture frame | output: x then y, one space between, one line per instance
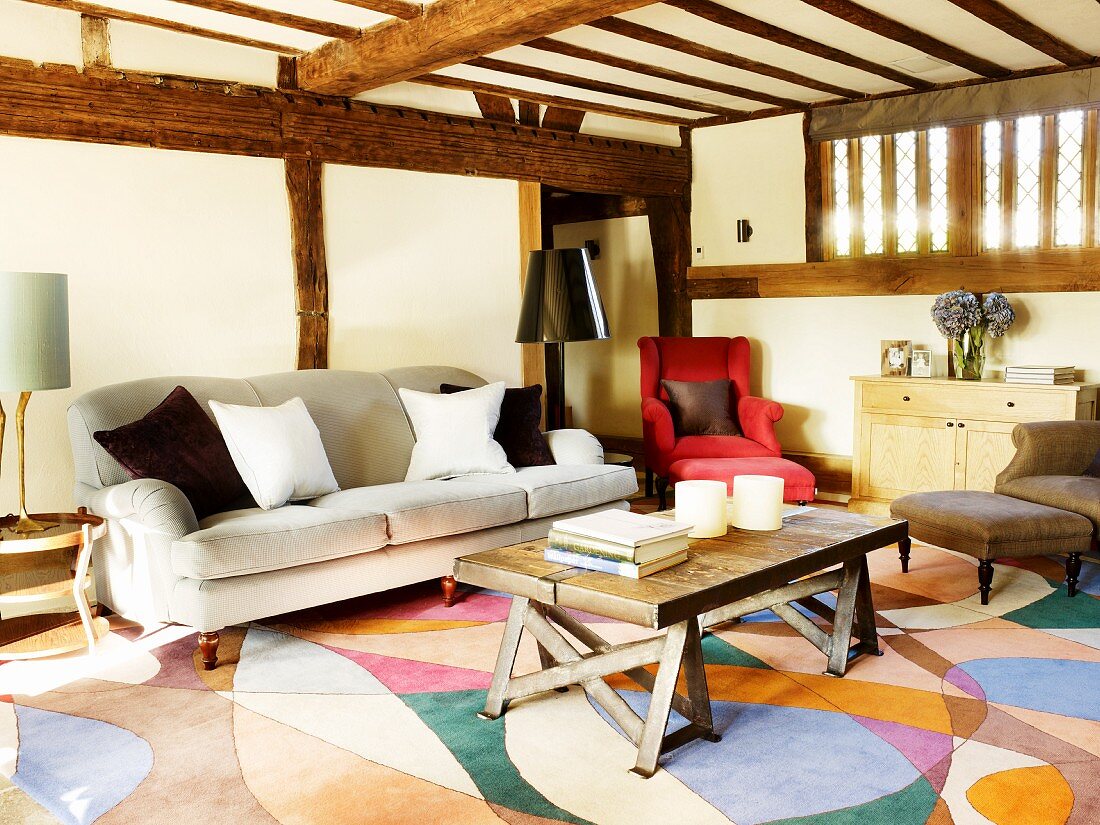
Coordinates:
895 358
920 363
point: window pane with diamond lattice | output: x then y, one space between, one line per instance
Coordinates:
873 218
908 222
1068 206
938 217
842 208
991 178
1029 158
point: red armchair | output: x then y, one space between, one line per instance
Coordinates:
700 359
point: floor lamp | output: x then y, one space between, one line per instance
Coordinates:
34 353
561 303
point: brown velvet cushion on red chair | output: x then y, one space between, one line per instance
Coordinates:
178 443
700 407
518 429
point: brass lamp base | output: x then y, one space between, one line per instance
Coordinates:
25 524
28 525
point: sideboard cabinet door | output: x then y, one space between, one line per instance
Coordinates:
982 450
905 454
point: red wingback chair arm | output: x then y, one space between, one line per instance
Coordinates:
757 417
658 435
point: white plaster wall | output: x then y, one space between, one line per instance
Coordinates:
806 349
178 264
422 270
602 377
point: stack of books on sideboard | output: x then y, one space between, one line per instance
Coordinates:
618 542
1039 375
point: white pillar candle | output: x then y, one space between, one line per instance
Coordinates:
703 505
757 503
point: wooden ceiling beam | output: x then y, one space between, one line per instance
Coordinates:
275 18
547 44
95 41
1019 27
577 82
397 8
564 120
445 82
891 29
644 34
731 19
495 108
529 113
447 33
168 25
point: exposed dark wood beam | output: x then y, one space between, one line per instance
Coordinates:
644 34
670 234
1008 21
548 44
564 120
445 82
95 41
191 114
495 108
580 207
286 73
307 243
729 18
398 8
275 18
889 28
577 82
160 23
815 218
447 33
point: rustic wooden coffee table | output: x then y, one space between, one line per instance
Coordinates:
723 579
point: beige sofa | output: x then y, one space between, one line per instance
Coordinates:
157 563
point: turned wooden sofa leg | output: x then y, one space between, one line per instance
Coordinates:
449 586
905 546
662 493
1073 572
208 647
985 579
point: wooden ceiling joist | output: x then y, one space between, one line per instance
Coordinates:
644 34
731 19
564 120
168 25
447 33
495 108
404 9
548 44
191 114
577 82
275 18
529 113
445 82
889 28
1011 23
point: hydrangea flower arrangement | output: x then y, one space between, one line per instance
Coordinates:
965 321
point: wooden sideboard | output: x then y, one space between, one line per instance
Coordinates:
919 434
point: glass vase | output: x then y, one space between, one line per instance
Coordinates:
969 355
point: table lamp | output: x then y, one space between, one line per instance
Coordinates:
561 303
34 353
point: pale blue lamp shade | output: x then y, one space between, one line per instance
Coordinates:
34 331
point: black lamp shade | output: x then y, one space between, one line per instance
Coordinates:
561 301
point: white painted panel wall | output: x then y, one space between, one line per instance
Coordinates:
806 349
423 269
178 264
602 377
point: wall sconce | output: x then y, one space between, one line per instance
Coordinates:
744 230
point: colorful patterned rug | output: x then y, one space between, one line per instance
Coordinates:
364 712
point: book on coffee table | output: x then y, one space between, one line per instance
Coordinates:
628 569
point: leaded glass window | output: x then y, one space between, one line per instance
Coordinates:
873 218
842 207
992 164
1029 161
905 163
1068 217
938 209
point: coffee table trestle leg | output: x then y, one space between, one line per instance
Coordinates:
506 659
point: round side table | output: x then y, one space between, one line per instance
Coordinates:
35 567
622 459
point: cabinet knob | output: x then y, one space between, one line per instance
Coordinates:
961 425
950 423
905 398
1012 403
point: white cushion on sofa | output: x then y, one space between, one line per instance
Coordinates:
454 433
251 541
418 510
560 488
277 451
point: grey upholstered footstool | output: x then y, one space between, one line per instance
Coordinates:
988 526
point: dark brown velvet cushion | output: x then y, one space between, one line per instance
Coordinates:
701 407
1094 468
178 443
518 430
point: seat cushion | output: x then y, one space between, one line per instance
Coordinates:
418 510
240 542
716 446
562 488
799 483
990 526
1078 494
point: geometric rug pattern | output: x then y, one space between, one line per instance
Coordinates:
365 711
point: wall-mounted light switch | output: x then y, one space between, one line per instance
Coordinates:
700 253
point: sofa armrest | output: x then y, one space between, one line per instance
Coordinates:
574 446
757 417
160 507
1052 448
